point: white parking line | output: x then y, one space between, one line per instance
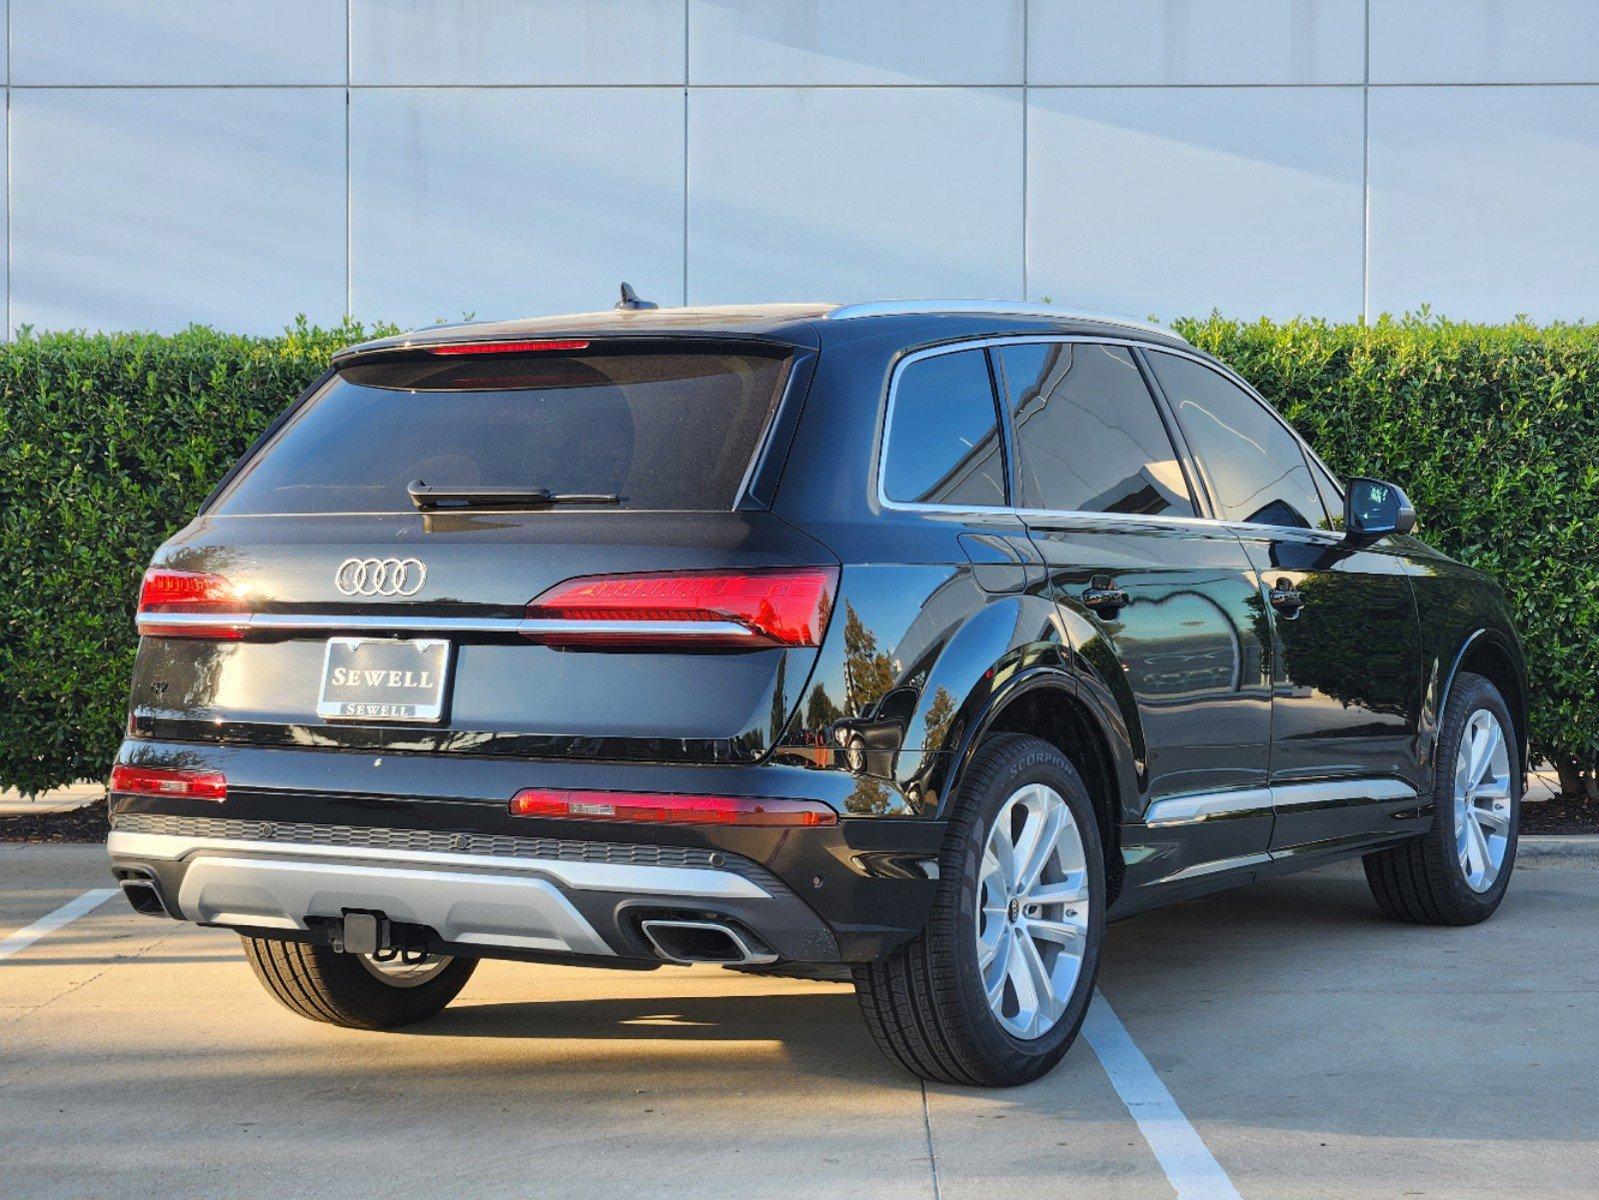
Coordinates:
1187 1161
70 911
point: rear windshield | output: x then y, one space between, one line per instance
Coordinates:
659 431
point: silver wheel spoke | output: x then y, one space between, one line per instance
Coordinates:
1043 850
1021 981
1067 933
1492 747
1476 848
1031 842
1000 848
1477 754
1043 986
1072 890
988 948
998 969
990 866
1492 818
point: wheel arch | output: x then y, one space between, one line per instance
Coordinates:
1485 653
1045 703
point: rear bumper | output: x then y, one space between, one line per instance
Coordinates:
495 896
855 890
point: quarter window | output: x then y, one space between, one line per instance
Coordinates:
1256 468
1088 436
944 443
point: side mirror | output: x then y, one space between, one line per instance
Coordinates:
1374 509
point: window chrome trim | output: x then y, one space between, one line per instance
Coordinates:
1118 520
1016 308
1260 801
886 426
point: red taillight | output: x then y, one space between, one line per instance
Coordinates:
507 347
669 808
169 781
187 603
786 607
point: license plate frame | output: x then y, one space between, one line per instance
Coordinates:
409 702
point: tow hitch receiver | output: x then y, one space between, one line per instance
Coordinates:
377 937
362 933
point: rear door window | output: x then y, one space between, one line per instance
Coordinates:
1257 469
674 431
1088 435
944 444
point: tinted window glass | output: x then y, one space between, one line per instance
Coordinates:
663 431
1255 465
1332 496
1088 436
944 444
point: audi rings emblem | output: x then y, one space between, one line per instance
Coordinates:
380 576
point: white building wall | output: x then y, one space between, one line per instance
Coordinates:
236 162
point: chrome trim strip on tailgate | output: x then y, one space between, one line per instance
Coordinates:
391 623
695 882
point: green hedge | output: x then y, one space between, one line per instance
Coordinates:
109 442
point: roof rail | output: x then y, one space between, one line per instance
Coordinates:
1015 308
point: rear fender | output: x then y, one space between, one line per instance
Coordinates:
912 657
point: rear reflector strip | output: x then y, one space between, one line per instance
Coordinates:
507 347
742 609
167 781
670 808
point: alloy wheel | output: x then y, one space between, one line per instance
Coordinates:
1033 911
1482 800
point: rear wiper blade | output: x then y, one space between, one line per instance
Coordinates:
427 497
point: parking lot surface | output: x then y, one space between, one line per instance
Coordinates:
1315 1049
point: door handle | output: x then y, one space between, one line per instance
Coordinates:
1286 598
1103 596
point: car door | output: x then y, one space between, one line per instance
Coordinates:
1346 677
1162 607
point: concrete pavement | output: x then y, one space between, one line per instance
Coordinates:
1317 1049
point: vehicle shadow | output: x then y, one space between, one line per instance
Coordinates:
795 1018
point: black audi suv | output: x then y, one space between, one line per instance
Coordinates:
905 643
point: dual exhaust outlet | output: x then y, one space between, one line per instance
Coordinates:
683 940
142 893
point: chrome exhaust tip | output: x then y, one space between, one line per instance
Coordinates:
145 898
688 941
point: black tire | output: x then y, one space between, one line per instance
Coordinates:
320 984
1421 881
924 1004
